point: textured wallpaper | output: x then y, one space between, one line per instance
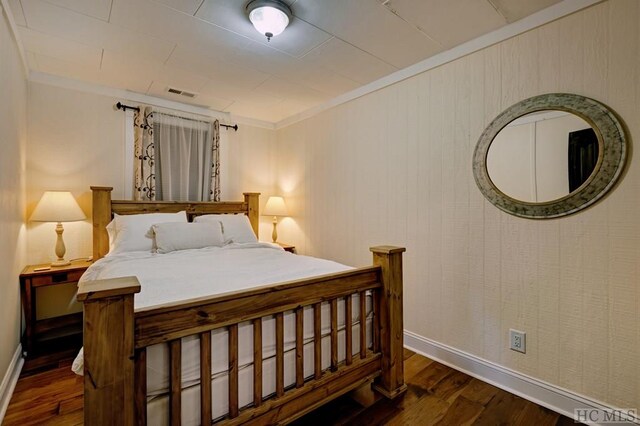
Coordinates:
394 167
13 138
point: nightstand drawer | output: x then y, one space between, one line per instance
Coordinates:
56 278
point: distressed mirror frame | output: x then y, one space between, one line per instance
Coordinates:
612 143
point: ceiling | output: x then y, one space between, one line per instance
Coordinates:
209 47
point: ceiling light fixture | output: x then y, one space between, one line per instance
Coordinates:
269 17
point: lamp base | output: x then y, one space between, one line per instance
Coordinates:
274 234
60 248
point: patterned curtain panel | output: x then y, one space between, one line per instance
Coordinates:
144 155
215 163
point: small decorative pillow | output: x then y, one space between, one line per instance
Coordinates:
184 236
132 231
235 227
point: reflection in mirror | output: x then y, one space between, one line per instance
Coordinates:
543 156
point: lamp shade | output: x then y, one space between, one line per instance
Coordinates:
275 207
57 206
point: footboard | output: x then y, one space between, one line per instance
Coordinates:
116 340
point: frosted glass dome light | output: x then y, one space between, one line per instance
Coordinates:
269 17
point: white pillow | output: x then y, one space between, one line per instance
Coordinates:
132 232
111 231
183 236
235 227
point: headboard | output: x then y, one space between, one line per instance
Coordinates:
104 208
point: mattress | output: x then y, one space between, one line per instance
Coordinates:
188 274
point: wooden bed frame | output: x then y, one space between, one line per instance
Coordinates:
116 336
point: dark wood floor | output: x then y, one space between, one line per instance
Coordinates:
437 395
52 397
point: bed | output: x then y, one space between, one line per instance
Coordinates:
281 335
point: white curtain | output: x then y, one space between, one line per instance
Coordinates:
187 160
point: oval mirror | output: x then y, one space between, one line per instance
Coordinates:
550 156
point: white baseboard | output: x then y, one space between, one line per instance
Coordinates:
9 380
542 393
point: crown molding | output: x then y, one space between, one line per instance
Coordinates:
16 35
127 95
552 13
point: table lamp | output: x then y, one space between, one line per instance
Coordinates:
58 206
275 207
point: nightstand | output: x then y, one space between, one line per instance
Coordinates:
41 337
287 247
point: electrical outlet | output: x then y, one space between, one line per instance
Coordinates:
518 341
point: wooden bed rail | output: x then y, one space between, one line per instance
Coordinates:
117 338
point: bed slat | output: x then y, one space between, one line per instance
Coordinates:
376 321
299 347
257 362
140 393
348 330
175 398
317 341
279 354
334 334
233 371
363 324
205 378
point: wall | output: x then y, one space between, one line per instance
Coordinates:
13 137
77 139
394 167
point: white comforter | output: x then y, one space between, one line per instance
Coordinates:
188 274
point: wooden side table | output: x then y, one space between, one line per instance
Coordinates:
40 334
287 247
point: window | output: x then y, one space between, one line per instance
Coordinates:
177 158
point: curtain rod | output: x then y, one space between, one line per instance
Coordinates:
124 107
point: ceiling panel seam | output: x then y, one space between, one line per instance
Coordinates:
394 12
342 40
175 46
78 12
198 9
110 10
498 11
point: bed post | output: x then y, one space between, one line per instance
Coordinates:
101 218
389 306
253 210
108 350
